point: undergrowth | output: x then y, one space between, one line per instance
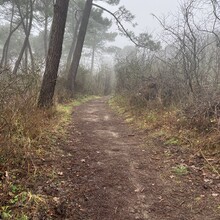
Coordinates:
170 125
27 135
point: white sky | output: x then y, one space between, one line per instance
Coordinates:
142 9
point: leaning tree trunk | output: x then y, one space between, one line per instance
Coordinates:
70 55
4 58
79 45
54 53
27 30
6 49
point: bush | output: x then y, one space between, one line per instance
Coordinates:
21 122
204 111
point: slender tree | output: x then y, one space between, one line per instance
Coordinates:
27 29
73 43
54 53
121 14
98 34
4 59
79 45
43 14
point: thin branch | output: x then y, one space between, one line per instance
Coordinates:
214 9
171 30
120 25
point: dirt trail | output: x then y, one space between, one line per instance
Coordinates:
112 171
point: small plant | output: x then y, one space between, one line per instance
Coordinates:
151 117
14 188
23 217
167 153
5 212
180 170
14 200
172 141
2 159
35 199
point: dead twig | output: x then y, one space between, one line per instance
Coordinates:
207 161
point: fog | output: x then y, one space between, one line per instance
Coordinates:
143 10
94 125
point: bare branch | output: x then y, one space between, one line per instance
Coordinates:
121 27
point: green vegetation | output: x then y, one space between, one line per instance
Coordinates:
17 199
65 110
172 141
180 170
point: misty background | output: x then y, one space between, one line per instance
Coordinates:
143 10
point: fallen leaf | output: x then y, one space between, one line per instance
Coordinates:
60 173
56 199
208 181
215 194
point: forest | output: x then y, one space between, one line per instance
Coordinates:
93 130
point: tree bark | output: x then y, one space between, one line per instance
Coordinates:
54 54
79 46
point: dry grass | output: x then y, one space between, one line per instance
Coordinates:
171 126
27 135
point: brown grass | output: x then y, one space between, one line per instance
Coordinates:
171 126
27 137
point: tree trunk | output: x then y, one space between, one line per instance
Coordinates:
93 59
27 33
72 48
6 46
4 59
26 49
46 30
79 45
54 53
32 58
